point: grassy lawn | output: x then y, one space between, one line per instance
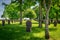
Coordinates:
18 32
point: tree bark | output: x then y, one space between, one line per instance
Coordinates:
3 22
47 9
20 17
40 15
20 11
46 25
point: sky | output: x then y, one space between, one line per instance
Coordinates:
2 6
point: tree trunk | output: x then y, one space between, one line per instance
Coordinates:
47 9
12 21
20 11
46 25
40 15
20 17
57 16
49 22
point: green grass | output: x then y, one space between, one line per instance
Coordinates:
18 32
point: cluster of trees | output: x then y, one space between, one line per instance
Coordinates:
47 9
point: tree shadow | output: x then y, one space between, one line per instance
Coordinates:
52 29
18 32
14 32
37 30
36 38
11 32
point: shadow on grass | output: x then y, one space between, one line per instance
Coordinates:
18 32
52 29
36 38
37 30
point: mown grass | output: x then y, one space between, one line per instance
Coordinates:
18 32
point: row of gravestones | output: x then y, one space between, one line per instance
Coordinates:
55 22
3 22
28 23
51 21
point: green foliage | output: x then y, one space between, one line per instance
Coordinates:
29 13
11 11
54 10
52 13
36 9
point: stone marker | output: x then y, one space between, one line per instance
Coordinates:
3 21
55 23
28 25
8 21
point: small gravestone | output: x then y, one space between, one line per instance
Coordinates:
59 21
28 25
3 21
49 22
8 21
55 23
12 21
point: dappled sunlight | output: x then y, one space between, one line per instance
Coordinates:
26 37
34 22
18 32
39 35
43 25
55 32
29 19
51 26
34 25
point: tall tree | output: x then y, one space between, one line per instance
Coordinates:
47 6
40 14
23 4
11 12
20 5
